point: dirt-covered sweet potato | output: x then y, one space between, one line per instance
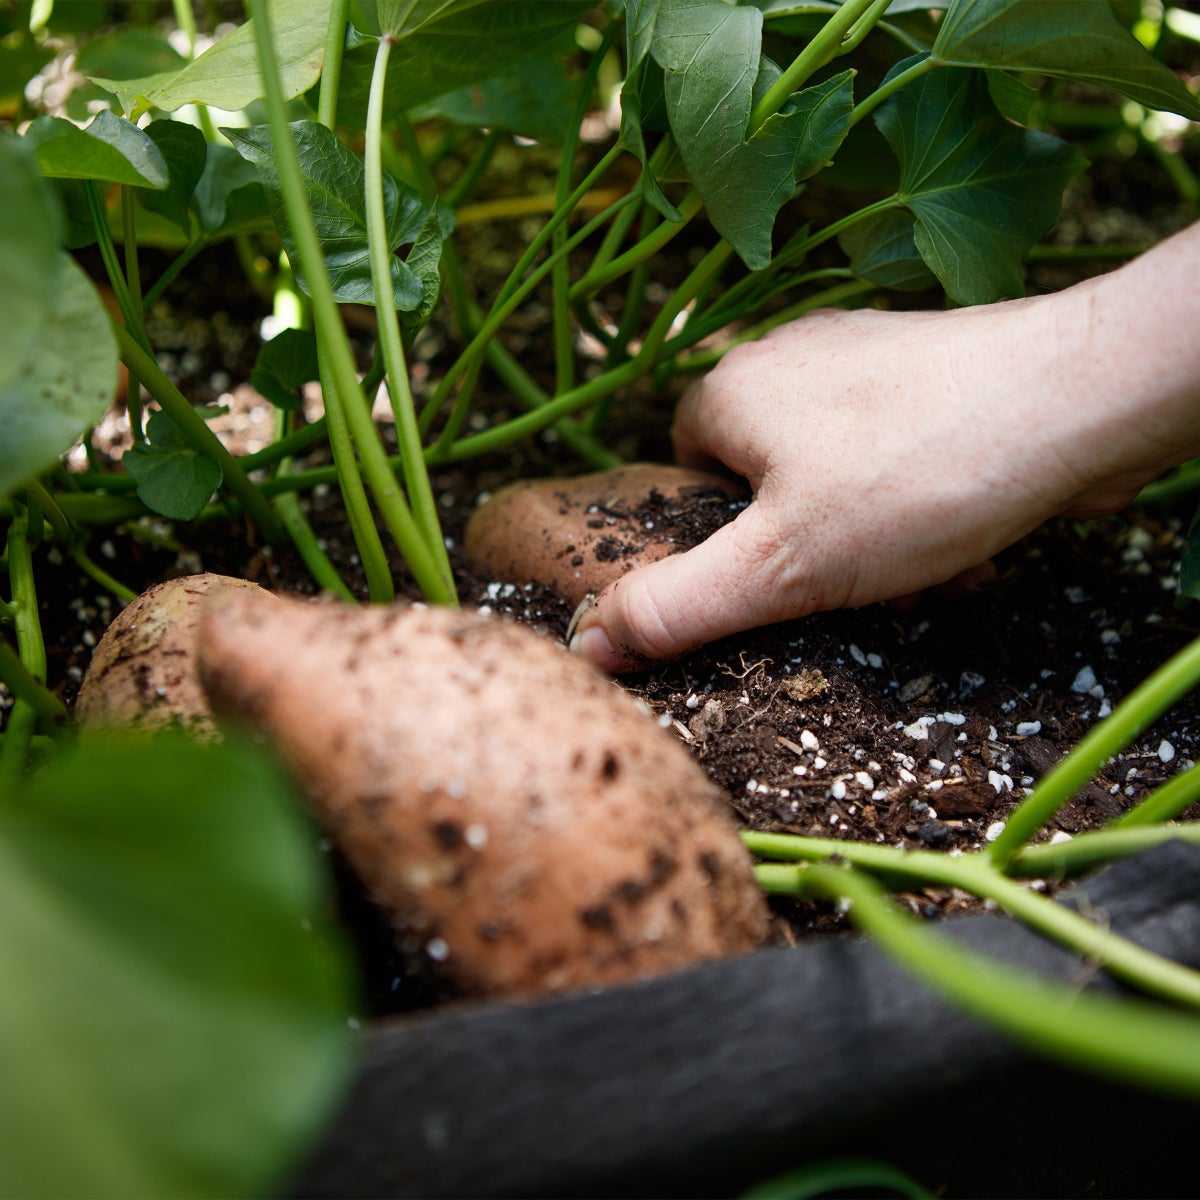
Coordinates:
577 535
143 672
527 827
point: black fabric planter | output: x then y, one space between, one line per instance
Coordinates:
706 1082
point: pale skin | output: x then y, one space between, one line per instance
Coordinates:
889 453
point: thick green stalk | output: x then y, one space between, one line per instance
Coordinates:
331 67
824 46
330 331
500 313
60 523
1142 706
1128 1038
1166 802
503 435
877 97
198 434
416 474
862 27
973 873
31 649
133 280
27 688
1058 860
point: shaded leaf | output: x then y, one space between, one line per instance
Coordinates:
174 995
130 54
226 75
1012 96
110 149
228 198
714 71
65 379
535 99
284 365
443 45
184 151
335 183
982 190
28 251
172 478
1189 566
1075 39
882 248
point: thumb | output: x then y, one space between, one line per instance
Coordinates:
726 584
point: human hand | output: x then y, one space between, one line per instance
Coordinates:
887 452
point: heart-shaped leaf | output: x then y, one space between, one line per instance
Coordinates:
335 183
284 365
1075 39
982 190
28 248
882 248
173 992
443 45
711 55
184 150
226 75
65 379
110 149
172 478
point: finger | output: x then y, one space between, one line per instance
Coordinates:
689 433
729 583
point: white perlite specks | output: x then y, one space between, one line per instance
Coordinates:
1166 752
1084 681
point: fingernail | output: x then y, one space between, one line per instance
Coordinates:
585 606
595 645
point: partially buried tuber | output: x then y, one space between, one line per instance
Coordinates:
143 672
525 825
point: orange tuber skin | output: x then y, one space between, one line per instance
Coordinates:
528 828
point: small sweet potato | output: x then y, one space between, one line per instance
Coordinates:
143 672
578 535
526 825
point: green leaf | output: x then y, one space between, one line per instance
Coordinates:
335 183
1075 39
130 54
21 58
1189 567
535 99
982 190
1012 96
711 55
226 75
882 249
172 478
228 198
110 149
65 379
284 365
443 45
174 996
28 251
184 150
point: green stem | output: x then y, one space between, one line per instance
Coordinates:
380 588
108 252
1060 860
173 268
194 429
1125 1037
331 67
877 97
503 435
595 279
1142 706
824 46
287 505
99 575
27 688
1166 802
705 270
59 522
330 330
133 280
974 874
416 474
862 27
501 312
465 183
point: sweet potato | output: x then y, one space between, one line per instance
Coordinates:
526 825
143 672
577 535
